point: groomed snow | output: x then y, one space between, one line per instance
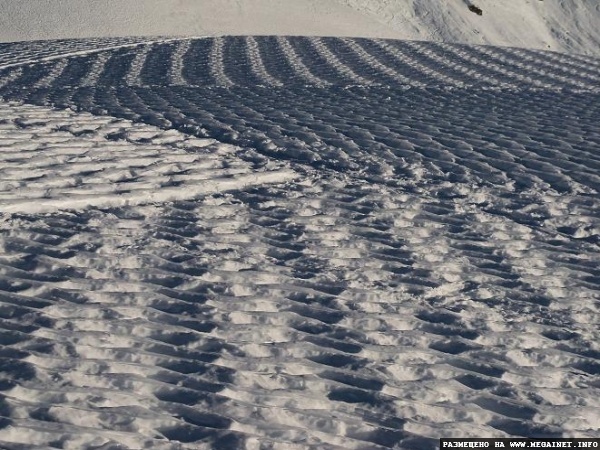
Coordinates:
299 243
296 243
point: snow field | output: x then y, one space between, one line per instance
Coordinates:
557 25
298 243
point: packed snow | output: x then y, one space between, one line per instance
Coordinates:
287 242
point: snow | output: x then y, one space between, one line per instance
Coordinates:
76 160
52 19
557 25
287 242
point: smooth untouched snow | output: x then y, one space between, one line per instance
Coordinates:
296 243
558 25
51 19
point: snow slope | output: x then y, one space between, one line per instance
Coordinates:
296 243
59 19
559 25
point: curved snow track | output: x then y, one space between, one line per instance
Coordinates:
279 243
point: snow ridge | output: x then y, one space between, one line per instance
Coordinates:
177 62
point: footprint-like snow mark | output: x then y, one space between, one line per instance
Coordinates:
506 140
53 160
328 313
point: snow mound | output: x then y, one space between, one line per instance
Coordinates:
296 243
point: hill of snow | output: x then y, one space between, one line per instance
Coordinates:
52 19
565 26
558 25
296 243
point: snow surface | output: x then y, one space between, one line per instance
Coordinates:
296 243
58 19
559 25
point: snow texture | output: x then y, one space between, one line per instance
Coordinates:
296 243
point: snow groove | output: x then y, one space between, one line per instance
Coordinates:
373 61
427 56
472 74
24 53
13 74
575 76
501 76
409 61
133 76
578 67
96 69
320 45
514 59
56 70
324 62
519 71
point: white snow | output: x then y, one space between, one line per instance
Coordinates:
51 19
284 242
558 25
70 162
